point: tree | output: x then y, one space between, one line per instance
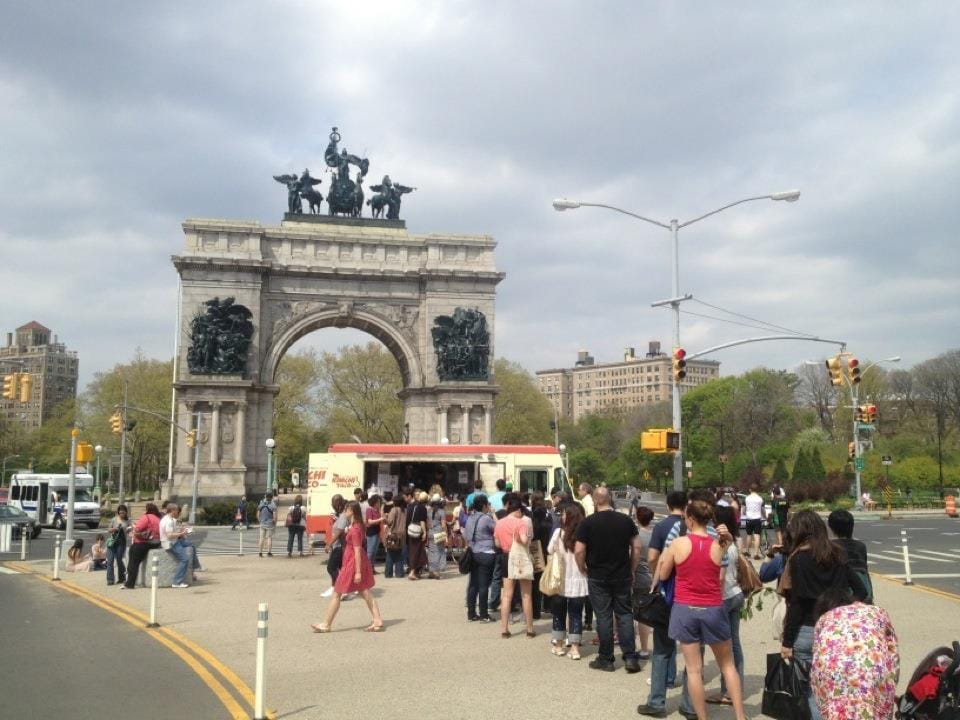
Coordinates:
801 467
780 474
586 465
148 439
358 393
297 424
522 414
817 471
815 390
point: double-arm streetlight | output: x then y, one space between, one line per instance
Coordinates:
674 227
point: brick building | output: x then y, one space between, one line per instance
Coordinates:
54 370
590 387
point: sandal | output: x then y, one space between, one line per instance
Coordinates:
719 700
320 628
505 635
573 655
373 628
531 634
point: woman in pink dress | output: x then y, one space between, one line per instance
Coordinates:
355 574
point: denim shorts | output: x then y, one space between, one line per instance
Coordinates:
694 624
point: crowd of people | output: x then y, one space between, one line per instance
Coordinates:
613 563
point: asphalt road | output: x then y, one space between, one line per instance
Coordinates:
934 548
61 656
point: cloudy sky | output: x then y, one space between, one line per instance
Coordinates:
119 120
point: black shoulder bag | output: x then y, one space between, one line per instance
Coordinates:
465 562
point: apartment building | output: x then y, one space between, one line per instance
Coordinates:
53 368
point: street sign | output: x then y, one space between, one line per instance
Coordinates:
689 463
859 464
888 493
866 426
646 474
723 459
886 460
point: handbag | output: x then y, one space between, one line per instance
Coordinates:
393 541
465 561
551 582
651 609
747 577
415 530
536 556
784 688
440 538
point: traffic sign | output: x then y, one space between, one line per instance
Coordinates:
886 460
859 464
888 493
646 474
689 463
866 426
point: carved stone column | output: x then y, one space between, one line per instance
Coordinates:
239 431
487 428
442 423
215 432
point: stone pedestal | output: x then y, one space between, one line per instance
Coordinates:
311 272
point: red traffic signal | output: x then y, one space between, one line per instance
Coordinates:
679 353
679 364
854 369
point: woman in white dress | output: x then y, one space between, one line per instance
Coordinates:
567 608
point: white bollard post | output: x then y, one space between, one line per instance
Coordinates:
906 559
56 560
262 615
154 583
241 542
23 543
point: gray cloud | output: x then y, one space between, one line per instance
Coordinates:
117 121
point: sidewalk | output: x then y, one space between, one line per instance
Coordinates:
430 663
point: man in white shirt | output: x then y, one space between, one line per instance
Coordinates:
753 514
585 493
172 539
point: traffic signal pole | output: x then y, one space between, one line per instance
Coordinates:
675 385
123 441
72 483
857 451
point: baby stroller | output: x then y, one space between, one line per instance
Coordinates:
934 689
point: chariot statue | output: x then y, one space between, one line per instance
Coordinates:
346 196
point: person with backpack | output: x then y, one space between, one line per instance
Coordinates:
267 515
296 523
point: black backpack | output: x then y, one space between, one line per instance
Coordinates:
296 514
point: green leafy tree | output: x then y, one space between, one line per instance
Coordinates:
522 414
586 465
817 470
801 467
297 426
780 474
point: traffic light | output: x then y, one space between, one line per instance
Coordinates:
854 370
679 364
860 414
84 452
871 414
26 387
192 439
852 450
660 440
835 370
116 423
11 383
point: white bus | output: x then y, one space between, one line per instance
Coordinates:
44 498
453 467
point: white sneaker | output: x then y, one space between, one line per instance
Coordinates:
327 593
180 585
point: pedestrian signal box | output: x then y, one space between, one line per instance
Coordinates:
660 440
84 452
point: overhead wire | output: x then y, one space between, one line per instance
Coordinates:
752 319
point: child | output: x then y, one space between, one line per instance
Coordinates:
841 525
98 553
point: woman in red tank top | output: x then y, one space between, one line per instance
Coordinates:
698 616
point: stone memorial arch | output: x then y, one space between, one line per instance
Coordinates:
249 292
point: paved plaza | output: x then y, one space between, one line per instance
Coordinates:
430 662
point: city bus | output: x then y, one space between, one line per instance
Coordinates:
454 468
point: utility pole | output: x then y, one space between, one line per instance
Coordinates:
72 482
123 439
196 470
857 451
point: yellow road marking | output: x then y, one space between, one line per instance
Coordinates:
922 588
139 620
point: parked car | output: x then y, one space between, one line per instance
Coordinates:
10 515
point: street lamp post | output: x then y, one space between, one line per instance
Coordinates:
98 449
674 227
270 443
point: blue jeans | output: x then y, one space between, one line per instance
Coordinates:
611 598
184 554
496 581
567 618
394 565
115 555
732 606
295 531
479 585
663 667
803 650
373 543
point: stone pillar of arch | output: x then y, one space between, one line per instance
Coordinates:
312 272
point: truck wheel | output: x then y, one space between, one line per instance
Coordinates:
59 523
